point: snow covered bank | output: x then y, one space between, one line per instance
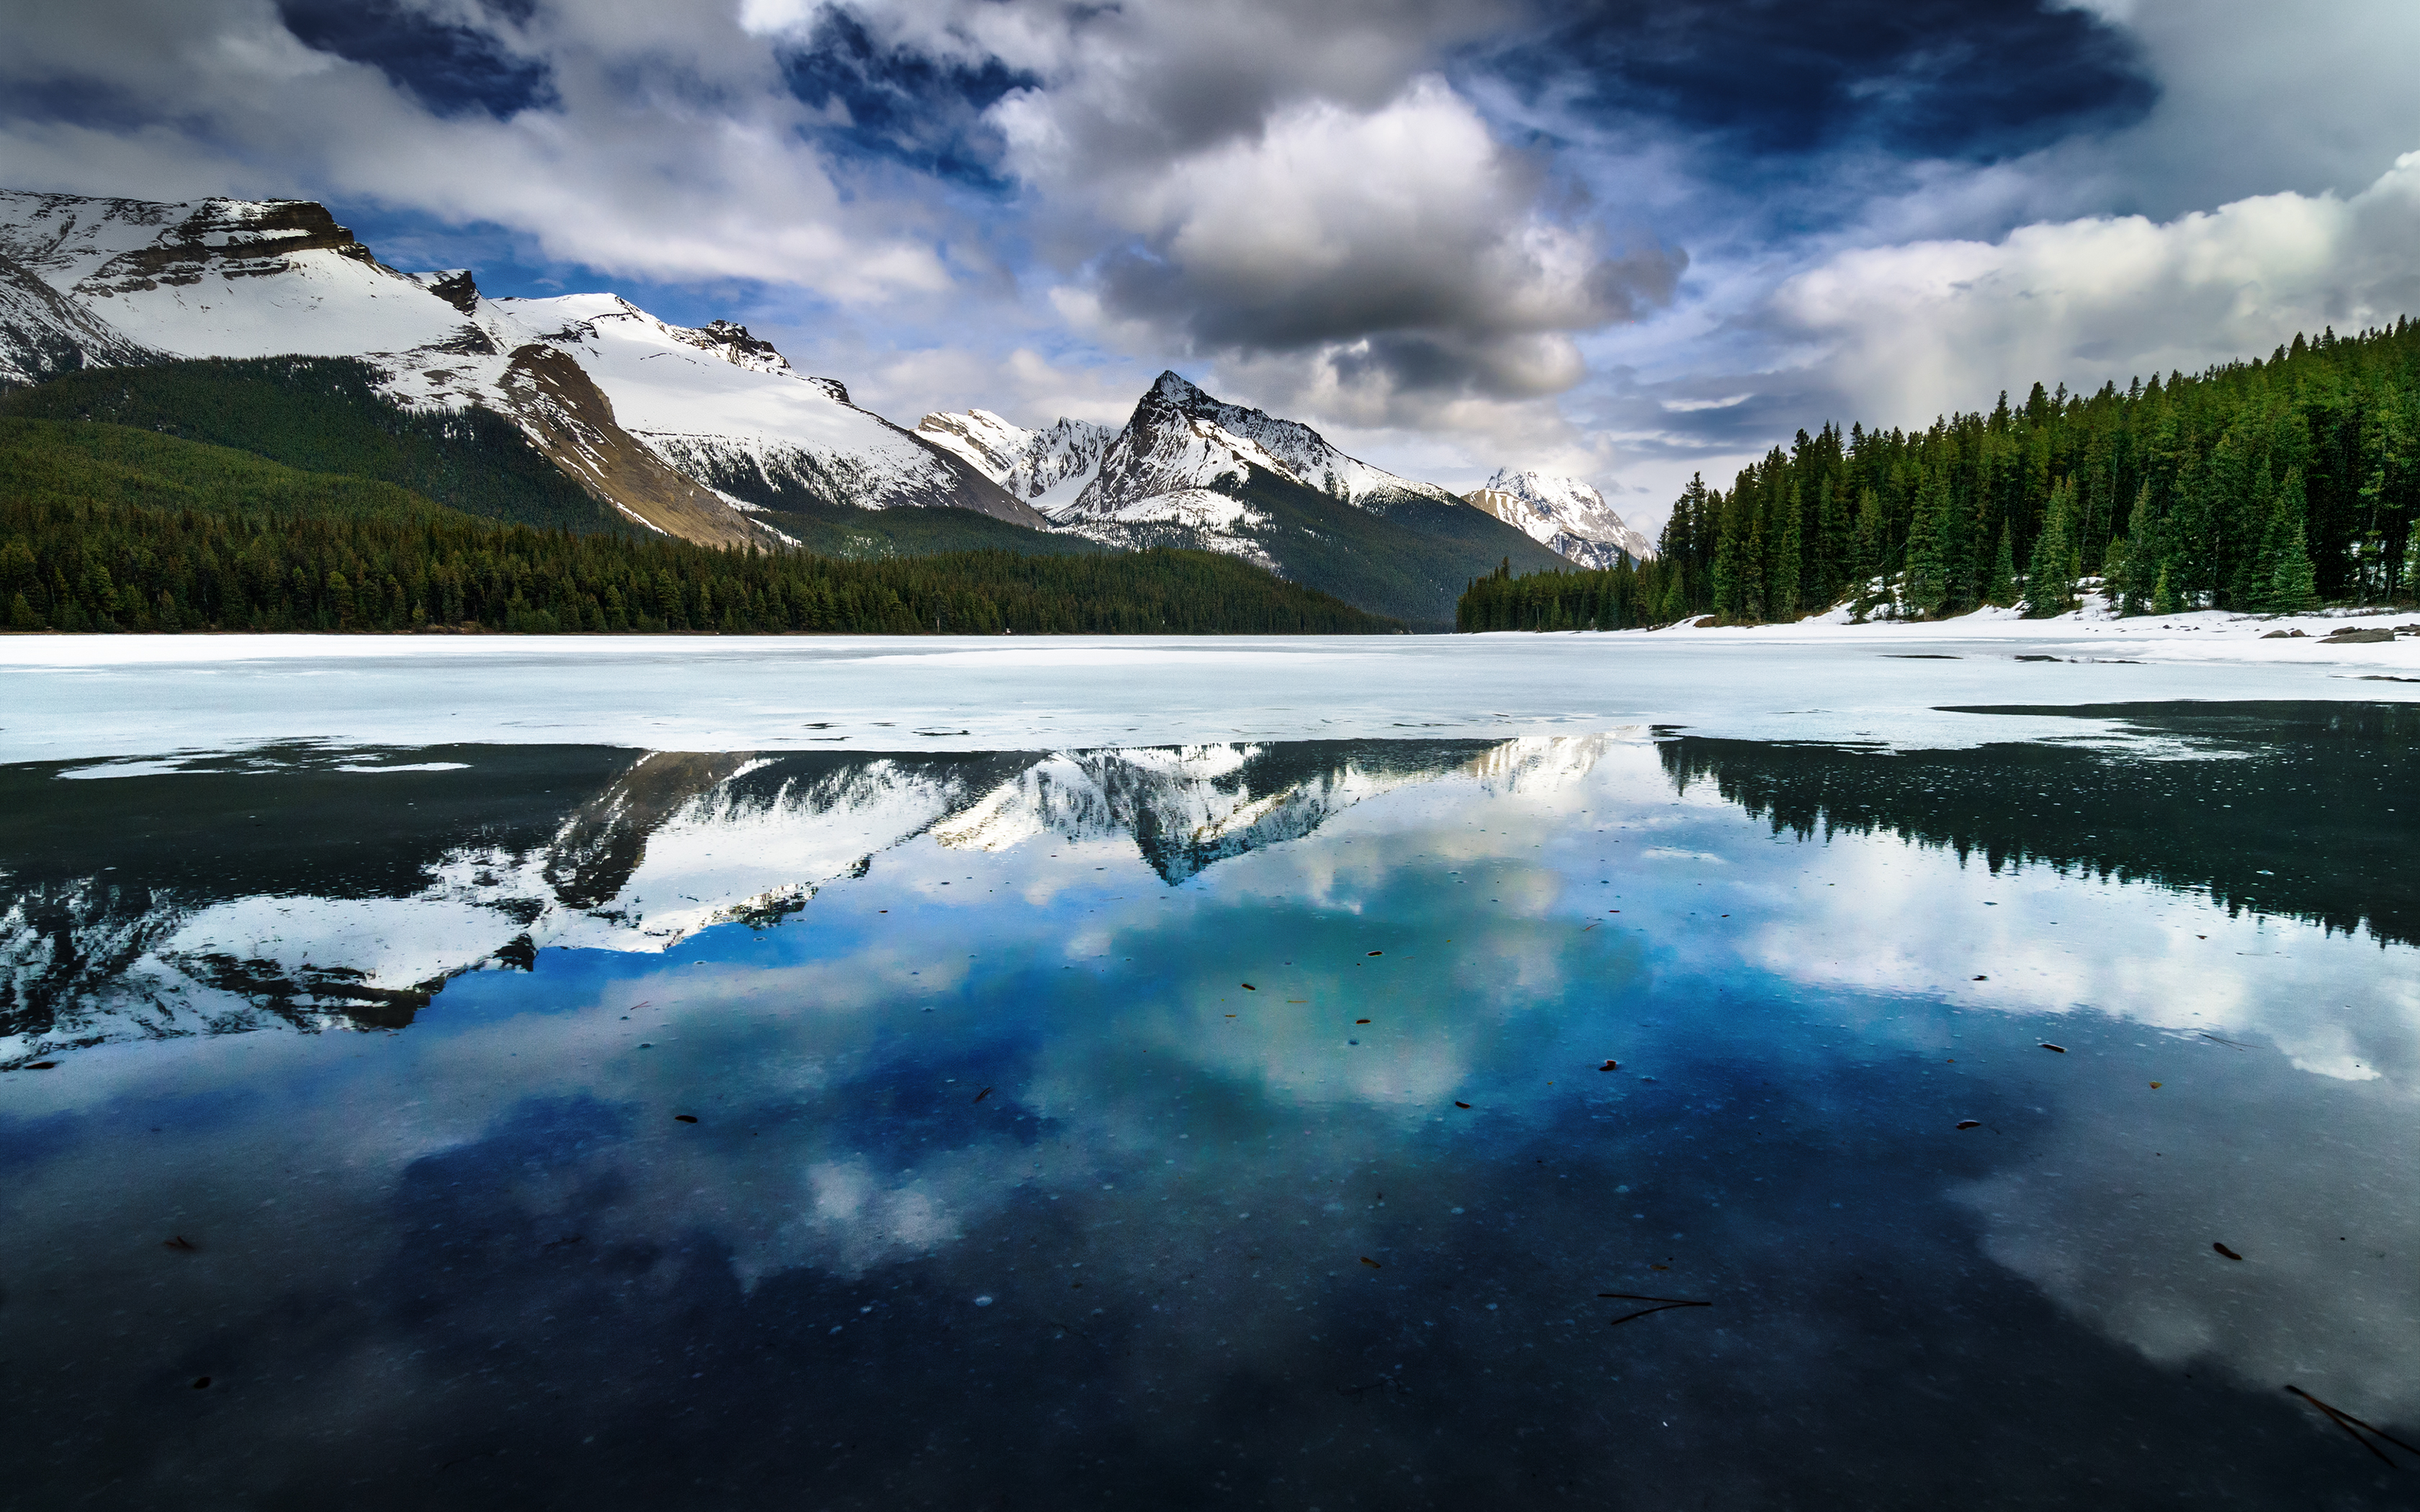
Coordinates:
74 698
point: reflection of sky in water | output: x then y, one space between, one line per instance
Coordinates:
1004 1187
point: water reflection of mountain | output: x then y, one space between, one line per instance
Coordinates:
330 889
2301 809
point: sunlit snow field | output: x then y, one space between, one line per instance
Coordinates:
1705 1070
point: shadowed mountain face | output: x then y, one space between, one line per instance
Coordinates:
2331 786
326 888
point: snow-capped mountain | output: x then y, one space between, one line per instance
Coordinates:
672 425
222 277
1046 468
729 410
1189 470
1564 515
1181 440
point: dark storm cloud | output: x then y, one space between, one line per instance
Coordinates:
1974 79
903 103
450 66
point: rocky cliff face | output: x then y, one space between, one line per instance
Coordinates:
1564 515
43 333
1046 467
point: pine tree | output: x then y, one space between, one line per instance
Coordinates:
2000 588
2050 581
2131 586
1927 576
2293 586
2163 597
1728 588
1787 566
1869 557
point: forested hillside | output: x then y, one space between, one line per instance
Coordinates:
107 528
2264 485
325 415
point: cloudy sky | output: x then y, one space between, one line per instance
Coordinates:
1618 240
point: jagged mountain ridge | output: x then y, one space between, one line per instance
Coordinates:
1564 514
1047 468
1181 439
1188 470
682 454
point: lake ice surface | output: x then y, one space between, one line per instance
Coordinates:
74 697
369 1046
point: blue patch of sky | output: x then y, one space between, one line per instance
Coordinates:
452 68
1971 80
903 106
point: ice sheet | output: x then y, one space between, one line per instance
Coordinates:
69 696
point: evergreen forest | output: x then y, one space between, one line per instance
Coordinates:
2263 486
106 527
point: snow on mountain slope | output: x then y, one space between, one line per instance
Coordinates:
1192 471
223 278
730 410
43 333
1048 468
1181 439
1564 515
664 423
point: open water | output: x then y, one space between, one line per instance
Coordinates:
1624 1117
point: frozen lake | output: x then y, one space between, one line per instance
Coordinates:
74 697
1735 1071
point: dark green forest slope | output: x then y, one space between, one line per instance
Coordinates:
1407 559
2264 485
104 527
324 414
860 535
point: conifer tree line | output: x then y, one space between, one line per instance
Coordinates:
2264 487
105 528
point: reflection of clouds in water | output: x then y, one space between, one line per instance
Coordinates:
2308 1179
1909 920
861 1220
1135 1079
2319 1203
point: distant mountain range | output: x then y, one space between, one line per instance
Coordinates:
710 435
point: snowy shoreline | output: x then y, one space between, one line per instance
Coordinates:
79 697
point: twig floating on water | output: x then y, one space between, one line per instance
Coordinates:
2348 1423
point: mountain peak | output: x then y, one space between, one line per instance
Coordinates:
1173 385
1564 514
1047 467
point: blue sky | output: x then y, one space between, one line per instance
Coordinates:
1616 240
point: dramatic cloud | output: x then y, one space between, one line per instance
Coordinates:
654 144
1404 240
1907 332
